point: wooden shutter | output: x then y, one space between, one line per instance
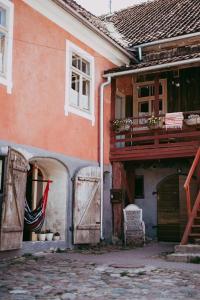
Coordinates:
86 214
12 218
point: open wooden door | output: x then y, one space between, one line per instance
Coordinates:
12 218
86 214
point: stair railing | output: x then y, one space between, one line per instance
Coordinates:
188 180
191 212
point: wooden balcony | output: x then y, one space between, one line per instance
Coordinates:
140 142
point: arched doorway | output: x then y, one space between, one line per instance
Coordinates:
171 207
41 170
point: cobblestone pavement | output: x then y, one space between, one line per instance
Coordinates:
55 276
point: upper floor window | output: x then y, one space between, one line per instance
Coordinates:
145 98
80 83
6 37
80 96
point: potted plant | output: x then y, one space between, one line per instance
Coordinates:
49 235
56 236
193 119
154 122
120 125
41 236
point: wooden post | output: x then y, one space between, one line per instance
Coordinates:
118 200
34 196
156 102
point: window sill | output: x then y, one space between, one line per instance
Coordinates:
80 113
6 83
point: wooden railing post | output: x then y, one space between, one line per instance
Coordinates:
188 199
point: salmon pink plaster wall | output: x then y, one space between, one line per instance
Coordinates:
34 113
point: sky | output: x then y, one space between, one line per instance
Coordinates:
99 7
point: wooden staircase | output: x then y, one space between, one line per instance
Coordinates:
194 236
189 249
192 230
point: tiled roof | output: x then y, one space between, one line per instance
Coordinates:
155 20
105 28
163 57
84 13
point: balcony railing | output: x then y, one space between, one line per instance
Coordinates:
137 139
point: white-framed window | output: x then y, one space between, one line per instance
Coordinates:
79 82
6 43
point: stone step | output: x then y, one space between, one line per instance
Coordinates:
197 221
184 257
196 228
194 235
190 248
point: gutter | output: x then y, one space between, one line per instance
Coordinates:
103 85
168 40
153 68
75 14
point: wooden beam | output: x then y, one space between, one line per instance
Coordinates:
117 207
156 102
156 153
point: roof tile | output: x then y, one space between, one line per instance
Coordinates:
155 20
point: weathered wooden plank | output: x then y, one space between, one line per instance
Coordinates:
143 147
86 212
117 207
164 136
155 153
12 221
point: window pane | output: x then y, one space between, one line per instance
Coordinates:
2 17
139 186
85 94
75 82
85 67
144 107
76 61
143 91
85 87
2 51
160 105
148 90
74 95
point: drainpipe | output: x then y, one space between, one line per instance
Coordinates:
140 53
103 85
